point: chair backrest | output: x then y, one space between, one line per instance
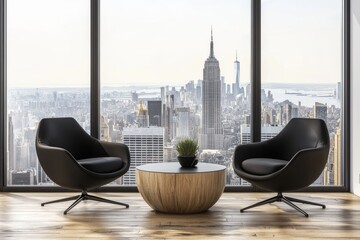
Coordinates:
302 133
66 133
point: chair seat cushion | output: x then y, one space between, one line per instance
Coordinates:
102 164
263 166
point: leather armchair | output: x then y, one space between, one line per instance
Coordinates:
292 160
74 160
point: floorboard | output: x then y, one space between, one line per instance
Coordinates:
22 217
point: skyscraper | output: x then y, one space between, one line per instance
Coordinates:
154 110
320 111
198 91
104 129
236 88
167 121
163 94
288 112
146 145
223 90
142 116
267 132
211 133
183 125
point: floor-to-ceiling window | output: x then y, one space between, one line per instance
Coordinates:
156 58
302 71
48 65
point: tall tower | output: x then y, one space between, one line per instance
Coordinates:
154 110
183 125
236 89
104 129
167 121
142 116
320 111
211 133
288 112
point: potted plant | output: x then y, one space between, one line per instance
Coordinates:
187 149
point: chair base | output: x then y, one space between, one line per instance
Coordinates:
83 196
287 200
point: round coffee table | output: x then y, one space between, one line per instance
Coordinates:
169 188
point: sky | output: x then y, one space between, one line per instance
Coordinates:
166 42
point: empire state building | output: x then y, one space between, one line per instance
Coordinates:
211 132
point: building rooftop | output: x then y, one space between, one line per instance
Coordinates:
144 131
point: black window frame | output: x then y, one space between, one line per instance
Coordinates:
255 106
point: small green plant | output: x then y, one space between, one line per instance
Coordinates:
187 147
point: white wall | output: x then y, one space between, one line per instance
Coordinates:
355 97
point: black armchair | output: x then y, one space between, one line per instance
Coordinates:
73 159
292 160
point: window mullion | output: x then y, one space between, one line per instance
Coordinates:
255 70
95 69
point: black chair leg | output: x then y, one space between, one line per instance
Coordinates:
305 202
287 200
81 197
99 199
60 200
270 200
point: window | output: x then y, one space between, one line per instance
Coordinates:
152 78
169 70
302 71
48 49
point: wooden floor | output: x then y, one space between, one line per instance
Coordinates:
22 217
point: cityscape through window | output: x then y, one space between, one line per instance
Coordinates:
48 75
171 70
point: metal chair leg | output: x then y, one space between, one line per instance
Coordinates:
285 200
305 202
99 199
81 197
60 200
270 200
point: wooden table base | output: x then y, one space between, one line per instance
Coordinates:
180 193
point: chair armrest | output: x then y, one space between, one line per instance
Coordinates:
59 164
308 163
117 150
54 155
252 150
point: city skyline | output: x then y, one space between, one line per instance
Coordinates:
119 113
